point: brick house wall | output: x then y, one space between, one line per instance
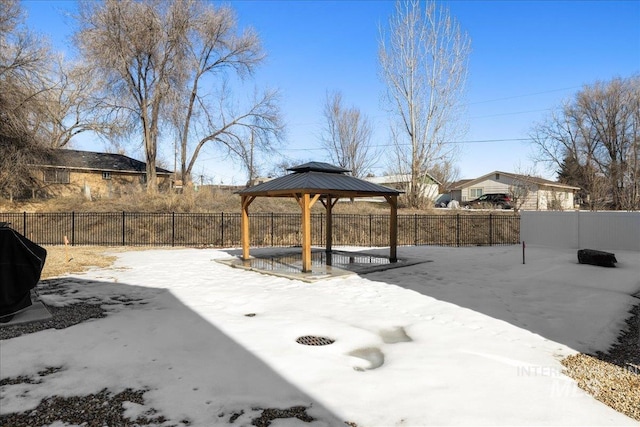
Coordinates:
57 182
66 172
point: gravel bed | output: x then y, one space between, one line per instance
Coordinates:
93 410
105 407
62 317
613 377
270 414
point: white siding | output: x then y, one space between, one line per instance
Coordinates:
532 202
431 191
537 199
488 186
402 182
554 199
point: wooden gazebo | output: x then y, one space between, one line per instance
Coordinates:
315 181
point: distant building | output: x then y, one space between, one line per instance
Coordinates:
403 182
65 172
259 180
540 194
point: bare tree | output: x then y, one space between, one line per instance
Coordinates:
137 49
243 132
22 59
522 186
445 173
154 56
69 107
347 136
247 150
593 185
598 131
215 48
423 63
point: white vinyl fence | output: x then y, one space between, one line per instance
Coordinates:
604 230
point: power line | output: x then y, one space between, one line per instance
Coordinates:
477 141
524 95
511 114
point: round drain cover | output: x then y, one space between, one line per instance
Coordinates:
313 340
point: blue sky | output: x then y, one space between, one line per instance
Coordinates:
527 57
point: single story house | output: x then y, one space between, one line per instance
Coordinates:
402 182
529 192
67 172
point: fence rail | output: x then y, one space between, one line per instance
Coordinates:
267 229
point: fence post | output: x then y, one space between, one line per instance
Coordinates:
415 229
173 229
458 229
24 223
271 228
490 231
122 228
222 229
370 230
73 228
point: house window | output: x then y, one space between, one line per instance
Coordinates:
106 175
56 176
474 193
497 177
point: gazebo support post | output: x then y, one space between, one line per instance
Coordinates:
306 234
329 204
305 201
329 227
246 201
393 228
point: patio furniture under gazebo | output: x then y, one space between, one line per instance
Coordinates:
315 181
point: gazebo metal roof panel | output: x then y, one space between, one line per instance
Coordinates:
318 183
318 167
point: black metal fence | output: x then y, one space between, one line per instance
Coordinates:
267 229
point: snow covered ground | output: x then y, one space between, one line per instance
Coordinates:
472 337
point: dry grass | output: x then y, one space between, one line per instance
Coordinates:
76 259
205 201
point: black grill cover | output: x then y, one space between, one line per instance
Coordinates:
21 263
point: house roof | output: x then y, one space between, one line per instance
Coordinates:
89 160
318 178
524 178
456 185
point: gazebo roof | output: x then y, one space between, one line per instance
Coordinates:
318 178
309 183
318 167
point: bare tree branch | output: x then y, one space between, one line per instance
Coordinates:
597 134
423 62
23 59
347 136
137 48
